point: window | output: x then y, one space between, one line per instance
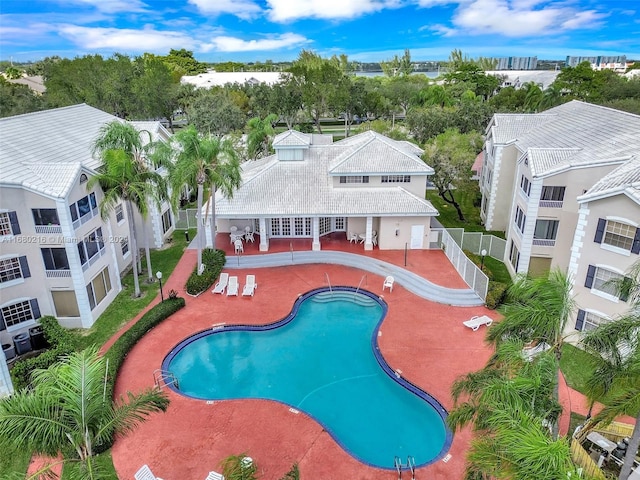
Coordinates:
324 225
19 312
55 258
98 288
65 303
92 246
618 235
119 213
83 178
45 216
520 219
83 210
396 178
514 255
340 223
552 193
14 269
604 281
9 223
545 232
525 185
166 221
124 246
354 179
488 177
586 321
290 154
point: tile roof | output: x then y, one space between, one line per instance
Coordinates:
291 138
42 150
581 133
305 188
370 153
623 180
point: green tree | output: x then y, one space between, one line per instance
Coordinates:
214 112
451 154
536 311
259 132
183 62
16 99
125 176
13 73
200 159
398 66
155 91
66 413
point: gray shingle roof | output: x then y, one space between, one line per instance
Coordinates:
291 138
305 188
623 180
41 150
508 127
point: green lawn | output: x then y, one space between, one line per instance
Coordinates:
13 460
125 306
576 365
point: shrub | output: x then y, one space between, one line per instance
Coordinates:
495 294
293 474
61 343
213 261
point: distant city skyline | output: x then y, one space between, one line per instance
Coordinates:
277 30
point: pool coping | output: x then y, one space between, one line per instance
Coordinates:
394 375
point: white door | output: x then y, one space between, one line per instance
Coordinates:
417 236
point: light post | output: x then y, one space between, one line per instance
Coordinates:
483 253
159 277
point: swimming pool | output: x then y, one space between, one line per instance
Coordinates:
322 359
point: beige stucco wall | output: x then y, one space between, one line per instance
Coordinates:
504 184
387 238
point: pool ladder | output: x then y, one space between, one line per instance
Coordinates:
411 465
164 378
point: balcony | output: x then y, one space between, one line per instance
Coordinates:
540 242
58 273
48 229
551 203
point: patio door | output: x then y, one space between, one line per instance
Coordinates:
290 227
417 236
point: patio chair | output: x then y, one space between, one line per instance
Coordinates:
388 283
249 237
353 238
214 476
145 473
222 283
474 323
249 286
239 247
374 240
232 286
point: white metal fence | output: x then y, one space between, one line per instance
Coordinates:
187 219
475 242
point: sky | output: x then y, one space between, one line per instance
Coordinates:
277 30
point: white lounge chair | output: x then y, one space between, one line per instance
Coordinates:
388 283
353 238
239 247
249 286
232 286
474 323
531 352
145 473
222 283
214 476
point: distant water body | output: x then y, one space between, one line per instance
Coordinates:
381 74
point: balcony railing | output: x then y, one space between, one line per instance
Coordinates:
58 273
540 242
93 259
551 203
48 229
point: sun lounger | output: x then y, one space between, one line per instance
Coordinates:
474 323
232 286
145 473
214 476
222 283
249 286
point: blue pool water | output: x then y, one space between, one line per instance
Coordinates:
322 359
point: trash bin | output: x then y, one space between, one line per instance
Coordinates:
22 343
38 342
9 351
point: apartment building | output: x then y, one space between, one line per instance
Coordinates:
543 177
57 255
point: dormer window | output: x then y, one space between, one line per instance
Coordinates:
354 179
83 178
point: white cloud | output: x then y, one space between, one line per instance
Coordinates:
518 18
289 10
112 6
245 9
233 44
441 30
145 40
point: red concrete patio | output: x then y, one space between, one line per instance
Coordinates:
425 340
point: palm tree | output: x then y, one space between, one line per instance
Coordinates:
122 180
616 348
201 159
536 311
139 146
259 132
66 413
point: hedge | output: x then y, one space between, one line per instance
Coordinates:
495 294
213 261
61 343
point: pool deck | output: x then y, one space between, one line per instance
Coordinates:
424 339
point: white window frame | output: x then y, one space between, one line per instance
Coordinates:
525 185
23 323
395 179
5 225
119 210
615 248
3 268
598 280
124 245
520 219
594 320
